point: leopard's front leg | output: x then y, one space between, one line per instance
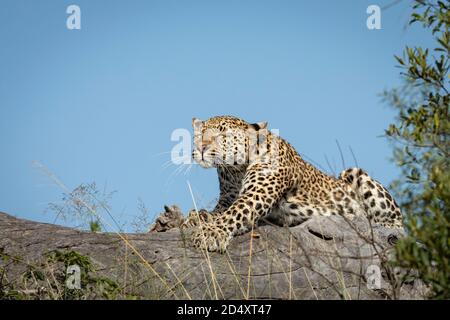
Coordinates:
196 218
229 191
255 201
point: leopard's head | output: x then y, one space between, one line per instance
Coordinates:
226 141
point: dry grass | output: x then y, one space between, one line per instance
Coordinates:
172 284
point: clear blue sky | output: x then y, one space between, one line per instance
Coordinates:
99 104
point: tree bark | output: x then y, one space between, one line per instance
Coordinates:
323 258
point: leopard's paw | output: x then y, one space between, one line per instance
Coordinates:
210 237
195 218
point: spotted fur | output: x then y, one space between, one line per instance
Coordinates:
274 184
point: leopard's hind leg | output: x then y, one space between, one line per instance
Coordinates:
378 203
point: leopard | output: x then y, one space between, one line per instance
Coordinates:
263 179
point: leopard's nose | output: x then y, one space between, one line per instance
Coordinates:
202 148
199 150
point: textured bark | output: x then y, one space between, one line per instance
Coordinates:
323 258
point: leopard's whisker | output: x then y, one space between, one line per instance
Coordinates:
167 164
188 170
174 174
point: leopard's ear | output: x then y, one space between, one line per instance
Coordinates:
197 123
259 125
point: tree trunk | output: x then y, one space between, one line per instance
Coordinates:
323 258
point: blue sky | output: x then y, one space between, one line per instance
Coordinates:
99 104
